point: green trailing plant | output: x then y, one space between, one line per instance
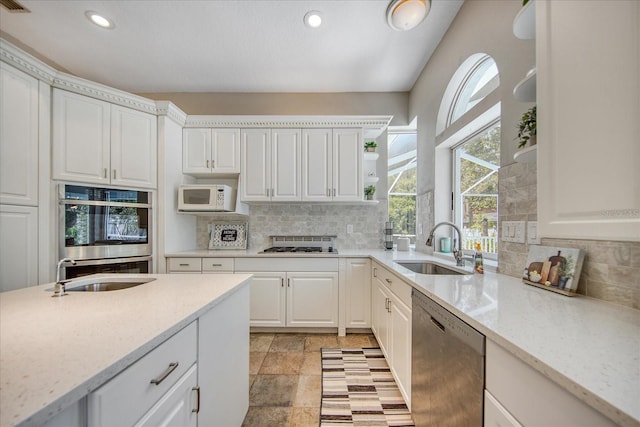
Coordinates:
527 127
370 146
524 2
370 190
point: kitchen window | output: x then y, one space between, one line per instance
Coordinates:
402 157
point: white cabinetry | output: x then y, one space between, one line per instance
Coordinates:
200 265
523 398
332 165
19 247
268 299
357 284
588 127
96 142
270 165
210 151
391 324
18 137
495 415
312 299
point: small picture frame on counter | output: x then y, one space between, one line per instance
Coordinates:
554 269
231 235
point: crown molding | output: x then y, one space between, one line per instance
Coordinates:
21 60
166 108
373 125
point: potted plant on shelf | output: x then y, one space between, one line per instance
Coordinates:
370 146
527 128
369 191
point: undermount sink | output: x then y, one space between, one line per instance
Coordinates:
429 268
103 284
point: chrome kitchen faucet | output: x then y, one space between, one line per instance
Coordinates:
59 288
456 253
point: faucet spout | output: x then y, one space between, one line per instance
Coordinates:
457 253
59 288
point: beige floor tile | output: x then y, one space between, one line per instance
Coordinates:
281 363
304 417
287 343
273 390
266 416
309 391
252 379
354 341
260 342
255 361
316 342
311 364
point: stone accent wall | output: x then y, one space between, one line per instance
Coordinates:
424 216
311 219
611 270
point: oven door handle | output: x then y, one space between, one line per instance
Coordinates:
112 260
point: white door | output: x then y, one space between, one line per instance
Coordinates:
196 151
285 165
347 164
225 151
18 246
81 138
495 415
317 152
255 173
312 299
177 408
268 299
380 315
400 345
358 293
134 142
18 137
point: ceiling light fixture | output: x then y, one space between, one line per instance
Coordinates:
313 19
99 20
403 15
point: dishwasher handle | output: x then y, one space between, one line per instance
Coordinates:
438 324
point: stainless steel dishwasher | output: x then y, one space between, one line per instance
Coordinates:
447 368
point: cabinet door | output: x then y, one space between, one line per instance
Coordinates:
134 142
312 299
18 246
317 149
495 415
358 293
81 138
18 137
178 406
588 151
225 151
256 165
400 346
380 313
268 299
196 151
285 165
347 165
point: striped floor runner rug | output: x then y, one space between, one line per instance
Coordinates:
359 390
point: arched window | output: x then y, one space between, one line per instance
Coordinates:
473 143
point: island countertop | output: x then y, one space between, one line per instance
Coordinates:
54 351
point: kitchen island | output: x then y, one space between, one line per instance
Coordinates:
57 351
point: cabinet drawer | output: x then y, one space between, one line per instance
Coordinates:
129 395
212 265
185 264
401 289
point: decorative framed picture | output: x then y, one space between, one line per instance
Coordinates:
228 236
555 269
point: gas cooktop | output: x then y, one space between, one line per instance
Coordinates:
302 245
299 249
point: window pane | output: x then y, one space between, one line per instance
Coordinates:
482 80
401 183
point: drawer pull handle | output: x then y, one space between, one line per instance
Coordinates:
184 265
216 265
375 272
172 367
388 281
197 408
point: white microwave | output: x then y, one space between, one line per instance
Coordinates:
206 198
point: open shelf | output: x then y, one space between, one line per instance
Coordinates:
524 24
527 155
371 179
525 90
371 155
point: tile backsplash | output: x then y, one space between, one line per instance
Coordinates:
311 219
611 269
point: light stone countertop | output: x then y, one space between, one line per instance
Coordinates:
54 351
589 347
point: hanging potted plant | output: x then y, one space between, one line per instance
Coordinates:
370 146
527 128
369 191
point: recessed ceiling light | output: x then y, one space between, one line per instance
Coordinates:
403 15
313 19
99 20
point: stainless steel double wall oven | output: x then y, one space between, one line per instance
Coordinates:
105 230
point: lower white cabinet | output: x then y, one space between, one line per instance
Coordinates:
391 324
18 246
495 415
200 265
357 288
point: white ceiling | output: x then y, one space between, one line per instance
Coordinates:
232 45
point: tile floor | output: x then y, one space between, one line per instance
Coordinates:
286 376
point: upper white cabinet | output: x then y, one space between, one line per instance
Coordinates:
270 165
208 152
18 137
332 165
589 104
97 142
